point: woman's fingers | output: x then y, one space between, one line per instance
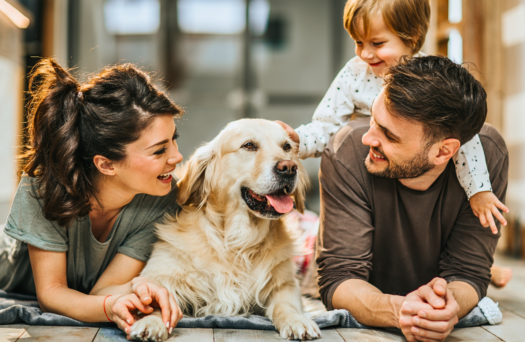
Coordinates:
123 319
123 325
163 301
143 291
155 295
137 303
126 305
122 313
176 313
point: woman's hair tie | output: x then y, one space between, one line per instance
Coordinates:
80 95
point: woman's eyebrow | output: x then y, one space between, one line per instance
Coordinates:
159 143
163 141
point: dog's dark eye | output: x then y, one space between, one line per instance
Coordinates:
250 146
287 147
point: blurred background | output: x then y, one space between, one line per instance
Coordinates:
224 60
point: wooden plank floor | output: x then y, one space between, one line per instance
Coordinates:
512 329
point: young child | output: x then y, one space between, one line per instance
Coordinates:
384 31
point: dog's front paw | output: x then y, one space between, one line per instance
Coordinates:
149 328
297 326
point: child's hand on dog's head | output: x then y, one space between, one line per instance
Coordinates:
484 205
291 132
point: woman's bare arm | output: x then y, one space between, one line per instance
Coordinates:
117 277
49 271
128 292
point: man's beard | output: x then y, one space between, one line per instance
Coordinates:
413 168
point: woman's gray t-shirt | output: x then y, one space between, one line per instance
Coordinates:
87 258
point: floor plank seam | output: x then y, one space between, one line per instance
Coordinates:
340 335
490 332
95 337
514 312
22 334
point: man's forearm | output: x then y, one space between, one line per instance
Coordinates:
367 303
465 295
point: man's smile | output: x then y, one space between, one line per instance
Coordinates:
375 156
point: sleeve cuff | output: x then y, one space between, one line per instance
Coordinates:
471 283
480 183
30 240
303 151
330 294
134 253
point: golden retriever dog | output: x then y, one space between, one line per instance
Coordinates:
229 251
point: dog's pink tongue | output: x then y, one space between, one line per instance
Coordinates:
282 204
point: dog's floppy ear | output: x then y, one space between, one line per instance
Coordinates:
300 189
194 186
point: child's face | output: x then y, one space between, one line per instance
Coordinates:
381 49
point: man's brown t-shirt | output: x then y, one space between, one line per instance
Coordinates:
396 238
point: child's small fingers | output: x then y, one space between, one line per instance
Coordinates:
492 224
498 216
502 207
483 220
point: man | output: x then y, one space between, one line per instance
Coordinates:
399 243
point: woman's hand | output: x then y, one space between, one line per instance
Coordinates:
122 309
153 295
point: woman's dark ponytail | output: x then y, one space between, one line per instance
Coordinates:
68 124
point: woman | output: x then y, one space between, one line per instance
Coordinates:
97 176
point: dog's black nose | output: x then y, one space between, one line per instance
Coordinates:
286 167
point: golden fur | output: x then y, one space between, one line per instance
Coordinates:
219 257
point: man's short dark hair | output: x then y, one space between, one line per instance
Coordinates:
438 93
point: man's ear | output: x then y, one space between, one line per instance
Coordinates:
104 165
446 149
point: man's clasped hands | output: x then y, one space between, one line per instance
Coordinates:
428 313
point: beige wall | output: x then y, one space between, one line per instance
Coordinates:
11 89
513 114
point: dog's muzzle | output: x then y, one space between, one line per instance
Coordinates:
271 205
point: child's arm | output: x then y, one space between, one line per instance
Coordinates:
313 142
473 175
332 113
314 136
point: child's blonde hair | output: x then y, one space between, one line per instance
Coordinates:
408 19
